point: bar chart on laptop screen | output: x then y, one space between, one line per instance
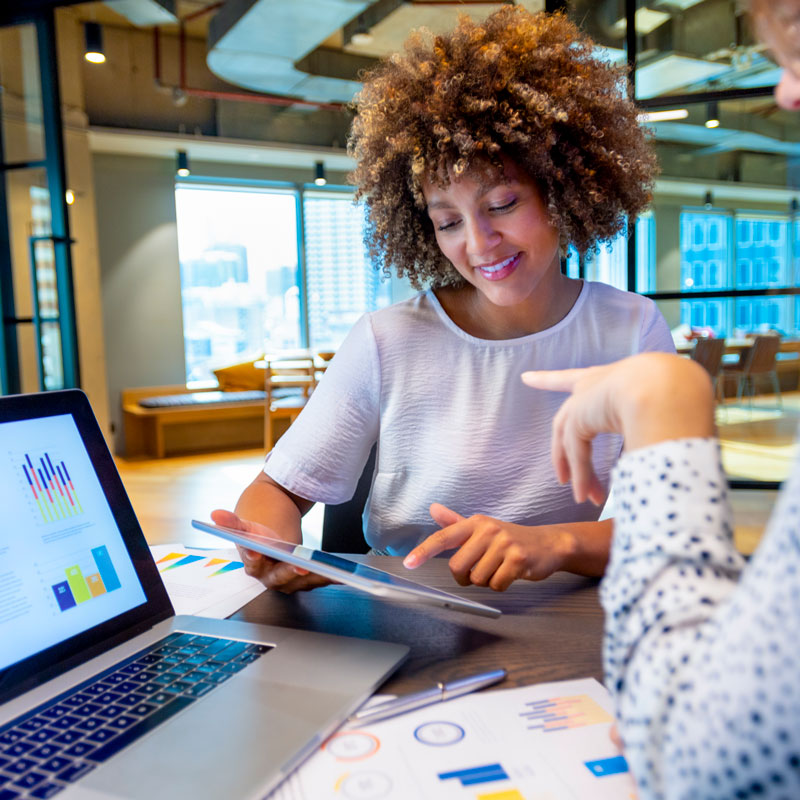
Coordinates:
52 495
91 575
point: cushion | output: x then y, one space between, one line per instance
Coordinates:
199 398
240 377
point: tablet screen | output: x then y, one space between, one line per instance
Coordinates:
347 571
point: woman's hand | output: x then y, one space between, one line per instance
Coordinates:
647 398
491 552
273 574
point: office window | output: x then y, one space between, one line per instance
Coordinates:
705 254
762 260
239 274
341 282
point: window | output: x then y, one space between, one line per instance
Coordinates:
239 287
242 286
341 282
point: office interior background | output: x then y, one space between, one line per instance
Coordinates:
117 271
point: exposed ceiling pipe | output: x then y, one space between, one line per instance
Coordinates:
184 90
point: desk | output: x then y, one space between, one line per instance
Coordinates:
550 630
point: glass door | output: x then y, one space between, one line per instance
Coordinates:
38 343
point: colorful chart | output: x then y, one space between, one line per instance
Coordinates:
78 588
176 560
562 713
52 488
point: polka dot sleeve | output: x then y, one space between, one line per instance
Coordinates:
701 654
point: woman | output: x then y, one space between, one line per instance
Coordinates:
700 650
480 156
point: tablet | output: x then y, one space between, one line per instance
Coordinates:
345 570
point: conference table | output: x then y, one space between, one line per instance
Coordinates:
549 630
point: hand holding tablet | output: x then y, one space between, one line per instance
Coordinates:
344 570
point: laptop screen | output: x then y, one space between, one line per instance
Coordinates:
64 567
76 574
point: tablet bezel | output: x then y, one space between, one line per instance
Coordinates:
412 592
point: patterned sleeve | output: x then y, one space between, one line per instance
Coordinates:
703 665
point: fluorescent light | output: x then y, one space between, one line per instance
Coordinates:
664 116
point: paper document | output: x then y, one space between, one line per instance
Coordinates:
206 583
544 742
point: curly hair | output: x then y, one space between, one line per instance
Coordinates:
518 85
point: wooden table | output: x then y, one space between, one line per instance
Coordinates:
550 630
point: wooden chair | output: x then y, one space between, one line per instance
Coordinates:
708 353
756 360
287 384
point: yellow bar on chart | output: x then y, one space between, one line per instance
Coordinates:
508 794
95 584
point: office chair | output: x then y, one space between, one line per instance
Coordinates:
342 526
708 353
758 359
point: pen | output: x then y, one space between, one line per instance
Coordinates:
436 694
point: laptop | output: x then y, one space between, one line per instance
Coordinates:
104 692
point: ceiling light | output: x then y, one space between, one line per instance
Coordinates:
183 164
712 115
69 196
664 116
361 35
319 174
93 35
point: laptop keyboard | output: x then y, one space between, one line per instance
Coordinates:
56 744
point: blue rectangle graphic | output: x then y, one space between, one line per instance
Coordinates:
106 569
608 766
476 775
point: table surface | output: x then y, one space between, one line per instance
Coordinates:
550 630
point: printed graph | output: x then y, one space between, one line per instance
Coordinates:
472 776
219 566
563 713
52 488
78 588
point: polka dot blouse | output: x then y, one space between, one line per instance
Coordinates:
701 652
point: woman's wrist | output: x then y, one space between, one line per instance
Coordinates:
672 399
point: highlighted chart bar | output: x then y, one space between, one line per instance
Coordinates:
607 766
509 794
95 584
475 775
106 568
63 595
75 579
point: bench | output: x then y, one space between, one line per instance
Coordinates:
198 424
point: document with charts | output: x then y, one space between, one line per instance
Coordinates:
544 742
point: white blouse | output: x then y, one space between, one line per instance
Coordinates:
701 651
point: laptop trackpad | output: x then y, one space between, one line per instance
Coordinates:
226 745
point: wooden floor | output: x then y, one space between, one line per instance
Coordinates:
168 493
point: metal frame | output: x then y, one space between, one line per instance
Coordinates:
43 18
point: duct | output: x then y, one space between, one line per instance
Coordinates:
721 140
145 12
257 44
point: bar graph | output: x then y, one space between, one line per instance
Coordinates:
563 713
52 488
79 588
472 776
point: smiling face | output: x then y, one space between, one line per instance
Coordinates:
494 229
